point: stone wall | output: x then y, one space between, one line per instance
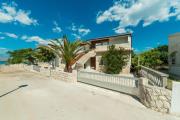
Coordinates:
11 68
54 74
64 76
155 98
58 74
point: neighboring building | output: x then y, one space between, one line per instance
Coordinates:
92 58
174 54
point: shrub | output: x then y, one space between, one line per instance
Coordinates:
114 60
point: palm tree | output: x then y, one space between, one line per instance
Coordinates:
65 49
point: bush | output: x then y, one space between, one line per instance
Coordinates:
114 60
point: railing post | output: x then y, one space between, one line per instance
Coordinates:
164 79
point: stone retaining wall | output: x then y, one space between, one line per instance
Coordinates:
155 98
64 76
11 68
54 74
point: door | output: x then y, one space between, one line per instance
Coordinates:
93 63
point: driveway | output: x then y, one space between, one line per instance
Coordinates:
47 99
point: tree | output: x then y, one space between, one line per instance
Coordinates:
114 60
44 55
134 62
153 58
21 56
65 49
30 56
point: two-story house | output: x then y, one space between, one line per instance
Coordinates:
92 51
92 58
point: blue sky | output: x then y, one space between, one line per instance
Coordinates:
25 24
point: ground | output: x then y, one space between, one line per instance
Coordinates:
47 99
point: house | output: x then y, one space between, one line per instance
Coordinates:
174 54
91 59
92 50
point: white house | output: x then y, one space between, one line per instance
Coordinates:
90 56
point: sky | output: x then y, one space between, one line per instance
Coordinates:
28 23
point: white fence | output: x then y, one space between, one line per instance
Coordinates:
155 78
123 84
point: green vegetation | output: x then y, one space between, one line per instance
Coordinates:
44 54
21 56
114 60
65 49
30 56
154 58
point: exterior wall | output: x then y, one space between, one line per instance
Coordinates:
88 65
98 60
175 109
54 74
155 98
174 46
122 41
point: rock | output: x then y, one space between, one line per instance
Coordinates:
166 104
159 104
163 98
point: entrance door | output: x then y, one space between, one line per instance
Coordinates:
93 63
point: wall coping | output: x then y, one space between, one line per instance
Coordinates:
157 72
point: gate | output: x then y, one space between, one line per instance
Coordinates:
124 84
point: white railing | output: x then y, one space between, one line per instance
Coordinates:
155 77
114 82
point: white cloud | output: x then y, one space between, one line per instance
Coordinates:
3 53
11 35
10 13
76 36
131 13
56 28
83 31
1 38
5 18
37 39
79 31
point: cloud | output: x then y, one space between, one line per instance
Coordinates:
37 39
3 53
79 31
129 13
83 31
76 36
56 28
9 13
1 38
11 35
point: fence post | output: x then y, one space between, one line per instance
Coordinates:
164 79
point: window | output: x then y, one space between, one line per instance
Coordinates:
173 61
173 58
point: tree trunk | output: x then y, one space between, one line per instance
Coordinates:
68 68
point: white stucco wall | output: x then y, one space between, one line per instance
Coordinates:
121 41
174 45
175 102
88 65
